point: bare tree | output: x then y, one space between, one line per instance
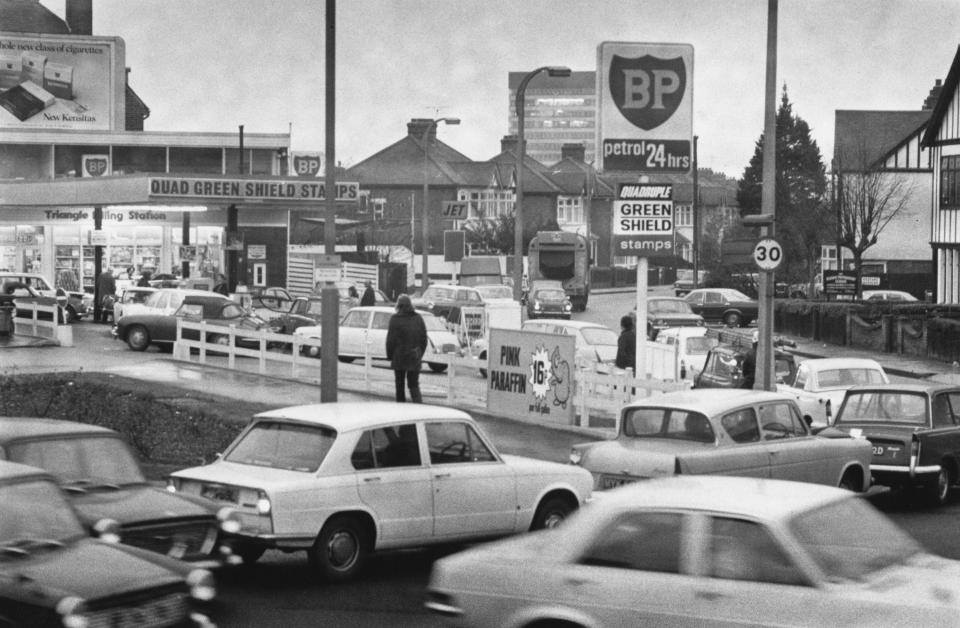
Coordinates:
868 198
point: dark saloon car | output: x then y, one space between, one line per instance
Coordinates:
915 432
53 575
104 481
723 305
23 295
140 330
440 300
724 367
664 312
548 303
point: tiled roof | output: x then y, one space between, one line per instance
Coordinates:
863 138
946 96
401 163
29 16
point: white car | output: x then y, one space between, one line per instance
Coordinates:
341 480
692 345
165 301
704 551
887 295
365 329
130 297
594 343
819 384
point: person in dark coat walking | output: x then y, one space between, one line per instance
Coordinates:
626 345
406 343
748 368
107 286
144 281
368 297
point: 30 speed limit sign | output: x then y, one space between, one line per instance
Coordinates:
767 254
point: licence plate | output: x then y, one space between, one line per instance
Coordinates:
888 453
219 493
607 481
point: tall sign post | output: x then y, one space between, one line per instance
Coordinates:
645 127
643 224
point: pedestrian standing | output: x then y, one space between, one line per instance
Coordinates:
144 281
627 345
368 297
406 343
107 286
748 368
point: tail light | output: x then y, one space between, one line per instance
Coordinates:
914 453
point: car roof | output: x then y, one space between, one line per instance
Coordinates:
565 323
389 309
683 331
771 500
193 292
357 415
14 428
824 364
932 387
710 400
15 470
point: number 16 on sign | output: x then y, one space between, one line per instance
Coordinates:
767 254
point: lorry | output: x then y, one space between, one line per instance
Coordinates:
478 270
563 256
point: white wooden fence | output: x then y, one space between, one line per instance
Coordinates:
595 394
47 327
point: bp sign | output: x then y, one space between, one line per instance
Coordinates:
645 107
643 221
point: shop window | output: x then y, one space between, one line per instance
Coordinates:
24 161
133 159
196 160
255 161
68 160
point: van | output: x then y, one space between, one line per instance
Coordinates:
478 270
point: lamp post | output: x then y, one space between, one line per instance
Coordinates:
425 282
552 70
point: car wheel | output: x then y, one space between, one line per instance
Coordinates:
341 549
249 553
731 319
551 513
437 367
138 338
938 494
346 360
851 481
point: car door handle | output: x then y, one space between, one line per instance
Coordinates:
441 476
578 582
374 478
708 595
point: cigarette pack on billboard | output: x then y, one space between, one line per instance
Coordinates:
11 67
33 66
58 80
26 100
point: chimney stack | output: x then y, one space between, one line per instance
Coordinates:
509 144
933 96
576 152
417 127
79 15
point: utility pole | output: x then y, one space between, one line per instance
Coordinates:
330 304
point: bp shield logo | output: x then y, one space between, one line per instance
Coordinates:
95 166
306 165
647 90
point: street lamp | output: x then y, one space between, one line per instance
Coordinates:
426 191
552 70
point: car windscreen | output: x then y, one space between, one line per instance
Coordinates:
700 345
734 295
844 378
599 336
667 423
668 306
432 323
884 406
282 445
84 462
496 292
34 510
851 552
550 295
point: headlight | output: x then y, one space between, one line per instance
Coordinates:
173 485
567 306
71 610
263 503
576 456
107 530
536 305
201 585
659 321
229 520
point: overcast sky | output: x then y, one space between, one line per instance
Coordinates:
211 65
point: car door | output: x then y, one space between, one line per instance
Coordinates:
713 306
943 441
747 453
794 453
474 493
353 332
750 576
376 338
393 482
635 571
